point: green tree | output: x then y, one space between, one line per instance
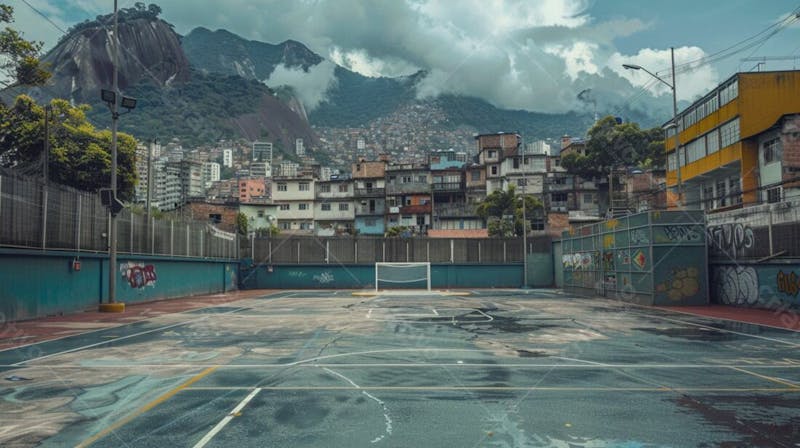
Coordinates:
612 144
19 58
503 207
80 155
241 223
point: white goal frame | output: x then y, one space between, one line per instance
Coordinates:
390 264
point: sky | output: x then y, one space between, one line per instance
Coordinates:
516 54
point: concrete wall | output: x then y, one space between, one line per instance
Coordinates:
36 284
362 276
773 285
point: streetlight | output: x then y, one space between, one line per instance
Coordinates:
113 99
674 117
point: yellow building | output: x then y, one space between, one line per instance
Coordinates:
732 142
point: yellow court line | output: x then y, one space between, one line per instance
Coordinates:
768 378
503 388
166 396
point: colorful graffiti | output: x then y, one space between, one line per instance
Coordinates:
639 236
730 239
138 275
788 284
735 285
640 259
683 283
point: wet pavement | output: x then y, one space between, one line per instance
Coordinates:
494 368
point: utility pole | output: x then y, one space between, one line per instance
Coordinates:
524 223
148 205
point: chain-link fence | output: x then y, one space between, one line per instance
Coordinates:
76 220
367 250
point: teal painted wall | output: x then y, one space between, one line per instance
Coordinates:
363 276
774 285
540 270
36 284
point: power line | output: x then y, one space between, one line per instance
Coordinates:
44 16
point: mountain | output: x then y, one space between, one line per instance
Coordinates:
174 98
355 100
224 52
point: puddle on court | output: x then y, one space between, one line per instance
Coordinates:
691 333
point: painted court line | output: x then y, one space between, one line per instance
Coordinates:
234 413
164 397
499 388
108 341
708 327
387 419
599 366
768 378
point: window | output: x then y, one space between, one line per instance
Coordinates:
344 207
708 196
260 213
729 93
537 224
772 151
369 222
344 188
326 207
729 133
775 194
722 200
476 176
516 162
492 154
559 197
671 162
324 188
712 141
406 179
282 187
215 218
302 206
696 149
494 170
682 156
285 206
735 187
422 179
304 186
285 226
588 198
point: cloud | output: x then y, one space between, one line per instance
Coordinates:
690 84
516 54
311 86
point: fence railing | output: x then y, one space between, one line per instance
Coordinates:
368 250
55 217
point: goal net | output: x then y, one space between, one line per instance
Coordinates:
403 275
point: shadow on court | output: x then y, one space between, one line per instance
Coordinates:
492 368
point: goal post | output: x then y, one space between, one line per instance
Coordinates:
403 275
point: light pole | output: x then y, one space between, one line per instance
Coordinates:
524 225
674 119
114 100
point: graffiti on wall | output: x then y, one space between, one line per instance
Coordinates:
639 236
730 239
138 275
324 278
788 283
735 285
681 284
679 234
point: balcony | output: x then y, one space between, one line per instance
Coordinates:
370 192
454 210
447 187
408 188
363 210
415 209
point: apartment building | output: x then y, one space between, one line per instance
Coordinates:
408 196
252 189
369 181
738 144
294 197
334 207
450 209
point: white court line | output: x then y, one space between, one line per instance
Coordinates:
386 418
590 365
780 341
207 438
108 341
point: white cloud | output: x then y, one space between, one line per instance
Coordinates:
577 57
694 82
311 87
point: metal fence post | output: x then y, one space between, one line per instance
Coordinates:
298 251
153 236
452 251
327 251
131 231
408 255
188 240
769 229
78 224
428 251
171 238
504 251
384 251
202 237
44 216
355 251
479 251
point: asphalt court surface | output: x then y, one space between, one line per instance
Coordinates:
502 368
